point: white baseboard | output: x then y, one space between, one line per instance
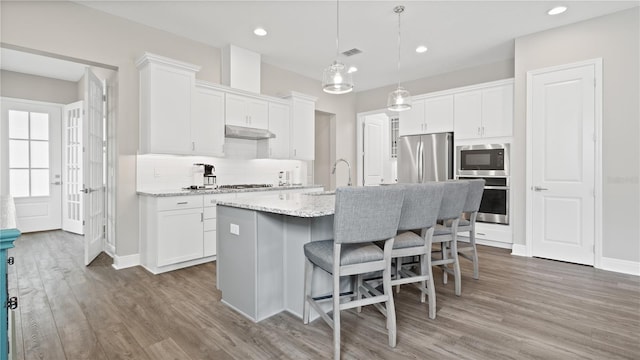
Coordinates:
519 250
127 261
621 266
109 249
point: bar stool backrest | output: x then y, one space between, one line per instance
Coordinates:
421 205
474 196
453 199
364 214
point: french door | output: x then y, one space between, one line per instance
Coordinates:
72 205
31 162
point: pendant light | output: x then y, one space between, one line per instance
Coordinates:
399 99
336 78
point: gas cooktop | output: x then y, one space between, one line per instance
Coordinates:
244 186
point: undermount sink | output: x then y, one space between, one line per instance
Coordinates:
320 193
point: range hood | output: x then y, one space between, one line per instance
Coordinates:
241 132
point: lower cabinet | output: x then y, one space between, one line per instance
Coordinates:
179 236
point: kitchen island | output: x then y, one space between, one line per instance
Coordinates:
260 265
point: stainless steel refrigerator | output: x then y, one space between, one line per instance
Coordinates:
423 158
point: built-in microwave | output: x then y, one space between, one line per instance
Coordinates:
483 160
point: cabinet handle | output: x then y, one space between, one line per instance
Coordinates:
483 131
193 146
479 131
182 203
294 152
201 217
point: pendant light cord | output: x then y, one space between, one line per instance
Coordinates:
337 29
399 11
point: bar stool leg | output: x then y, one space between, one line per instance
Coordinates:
308 276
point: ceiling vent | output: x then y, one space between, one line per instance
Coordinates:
352 52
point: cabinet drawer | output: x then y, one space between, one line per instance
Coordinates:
210 200
179 202
209 224
210 212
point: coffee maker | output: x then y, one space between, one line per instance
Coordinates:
208 179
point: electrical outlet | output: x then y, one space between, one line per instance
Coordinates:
234 229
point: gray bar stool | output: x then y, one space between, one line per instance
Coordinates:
468 223
453 200
362 215
419 212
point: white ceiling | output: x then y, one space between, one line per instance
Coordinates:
27 63
459 34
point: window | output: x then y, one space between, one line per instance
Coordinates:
394 132
28 153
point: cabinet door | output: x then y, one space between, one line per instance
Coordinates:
168 92
258 113
279 125
207 122
412 121
210 242
497 111
179 236
235 110
468 115
438 114
302 130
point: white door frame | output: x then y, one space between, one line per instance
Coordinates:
597 63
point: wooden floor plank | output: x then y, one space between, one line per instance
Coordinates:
520 308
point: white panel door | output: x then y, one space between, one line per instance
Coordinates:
93 167
373 130
31 162
563 163
72 199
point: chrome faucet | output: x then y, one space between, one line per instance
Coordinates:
348 166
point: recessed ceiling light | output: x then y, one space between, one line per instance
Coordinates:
557 10
352 69
421 49
260 31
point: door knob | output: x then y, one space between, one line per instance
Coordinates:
538 188
88 191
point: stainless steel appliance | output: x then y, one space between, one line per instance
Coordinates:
494 206
483 160
423 158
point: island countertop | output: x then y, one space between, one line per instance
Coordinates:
307 205
184 192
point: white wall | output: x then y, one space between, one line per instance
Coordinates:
616 39
38 88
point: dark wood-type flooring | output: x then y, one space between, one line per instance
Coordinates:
521 308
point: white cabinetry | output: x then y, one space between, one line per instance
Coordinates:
302 127
171 232
246 111
207 120
278 147
484 112
166 87
432 114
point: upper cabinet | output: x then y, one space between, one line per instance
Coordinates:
431 114
484 112
166 87
302 127
207 120
279 124
246 111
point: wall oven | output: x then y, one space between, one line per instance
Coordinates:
494 206
491 163
483 160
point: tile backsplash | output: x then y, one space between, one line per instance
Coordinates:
166 172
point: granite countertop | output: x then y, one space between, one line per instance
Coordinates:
300 205
179 192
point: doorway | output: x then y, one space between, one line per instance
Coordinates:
81 144
563 161
325 149
377 140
